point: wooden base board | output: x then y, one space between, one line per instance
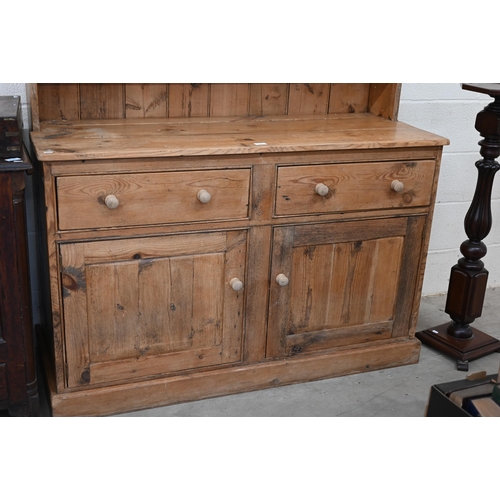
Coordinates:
479 345
169 390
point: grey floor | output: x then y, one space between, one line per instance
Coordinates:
395 392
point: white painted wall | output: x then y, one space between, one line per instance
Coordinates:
447 110
442 108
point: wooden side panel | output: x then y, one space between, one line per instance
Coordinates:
309 98
268 99
349 97
188 99
101 101
59 101
229 99
33 104
146 100
384 100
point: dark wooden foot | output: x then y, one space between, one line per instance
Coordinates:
463 350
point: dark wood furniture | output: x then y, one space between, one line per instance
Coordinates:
469 277
440 404
18 382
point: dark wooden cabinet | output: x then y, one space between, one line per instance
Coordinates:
18 382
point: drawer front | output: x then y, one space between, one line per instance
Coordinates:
351 187
103 201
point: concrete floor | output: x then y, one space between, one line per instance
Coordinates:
395 392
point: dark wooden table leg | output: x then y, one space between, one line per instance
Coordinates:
469 277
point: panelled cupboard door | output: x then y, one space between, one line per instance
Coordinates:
146 306
342 283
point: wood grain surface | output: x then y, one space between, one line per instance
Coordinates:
142 138
152 198
79 101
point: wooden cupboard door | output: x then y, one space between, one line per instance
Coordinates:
148 306
342 283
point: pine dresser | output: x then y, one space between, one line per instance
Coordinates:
210 239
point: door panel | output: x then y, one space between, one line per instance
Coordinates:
154 308
345 281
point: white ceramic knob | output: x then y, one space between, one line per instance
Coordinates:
321 189
111 201
236 284
204 196
397 186
282 280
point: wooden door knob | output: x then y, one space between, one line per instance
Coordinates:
282 280
397 186
321 189
204 196
111 201
236 284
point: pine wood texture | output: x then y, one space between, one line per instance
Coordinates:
353 187
154 305
232 380
71 101
101 139
171 295
341 276
158 198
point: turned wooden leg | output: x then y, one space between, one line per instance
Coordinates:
468 278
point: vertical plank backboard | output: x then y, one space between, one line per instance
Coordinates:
146 100
188 99
268 99
229 99
101 101
349 97
59 101
308 98
81 101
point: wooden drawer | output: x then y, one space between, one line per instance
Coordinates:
309 189
152 198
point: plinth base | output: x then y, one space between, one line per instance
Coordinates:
463 350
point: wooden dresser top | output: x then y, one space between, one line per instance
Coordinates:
149 137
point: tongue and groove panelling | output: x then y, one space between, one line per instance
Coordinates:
85 101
